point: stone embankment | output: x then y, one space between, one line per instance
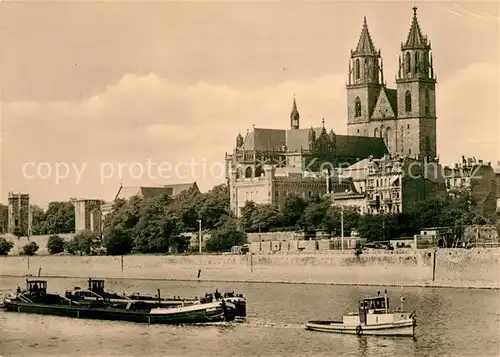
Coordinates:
473 268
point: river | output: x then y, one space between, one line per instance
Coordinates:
450 322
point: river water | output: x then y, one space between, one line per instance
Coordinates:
450 322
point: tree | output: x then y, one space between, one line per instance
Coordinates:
84 243
5 246
118 241
186 207
332 219
292 209
55 244
214 205
226 236
119 225
30 248
247 212
38 220
148 232
313 215
264 217
60 218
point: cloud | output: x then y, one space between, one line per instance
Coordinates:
468 114
147 118
143 119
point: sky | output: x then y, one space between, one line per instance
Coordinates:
98 94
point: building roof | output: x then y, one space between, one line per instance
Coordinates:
365 43
153 191
265 139
415 38
356 171
297 139
360 146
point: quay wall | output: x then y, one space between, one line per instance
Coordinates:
474 268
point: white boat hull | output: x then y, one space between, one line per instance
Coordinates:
400 328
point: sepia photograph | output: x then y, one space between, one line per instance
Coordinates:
249 178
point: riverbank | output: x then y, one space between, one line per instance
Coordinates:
460 268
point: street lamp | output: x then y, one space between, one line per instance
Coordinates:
341 222
199 235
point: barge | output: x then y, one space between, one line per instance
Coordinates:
35 299
96 292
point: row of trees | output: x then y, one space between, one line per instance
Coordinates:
296 213
156 225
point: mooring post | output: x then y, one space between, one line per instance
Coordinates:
434 266
251 262
39 271
28 258
121 262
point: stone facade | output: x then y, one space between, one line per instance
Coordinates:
88 215
404 117
273 187
479 179
19 213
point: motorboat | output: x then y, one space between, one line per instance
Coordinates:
372 318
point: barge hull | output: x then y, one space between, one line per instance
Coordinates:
215 314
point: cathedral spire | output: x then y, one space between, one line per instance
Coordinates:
415 39
294 116
365 43
364 67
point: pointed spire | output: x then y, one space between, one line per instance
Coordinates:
415 38
294 115
365 43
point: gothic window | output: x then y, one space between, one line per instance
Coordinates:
357 131
357 68
402 139
427 102
375 132
357 107
366 74
258 171
417 61
408 101
248 172
387 137
408 62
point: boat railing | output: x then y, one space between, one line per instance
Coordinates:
24 298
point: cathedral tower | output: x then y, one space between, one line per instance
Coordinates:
364 83
416 96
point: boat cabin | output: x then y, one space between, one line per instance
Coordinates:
96 286
36 287
374 303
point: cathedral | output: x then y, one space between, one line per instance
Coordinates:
404 117
383 124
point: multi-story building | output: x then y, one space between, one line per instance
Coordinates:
275 184
88 215
404 117
478 178
391 185
19 213
394 184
